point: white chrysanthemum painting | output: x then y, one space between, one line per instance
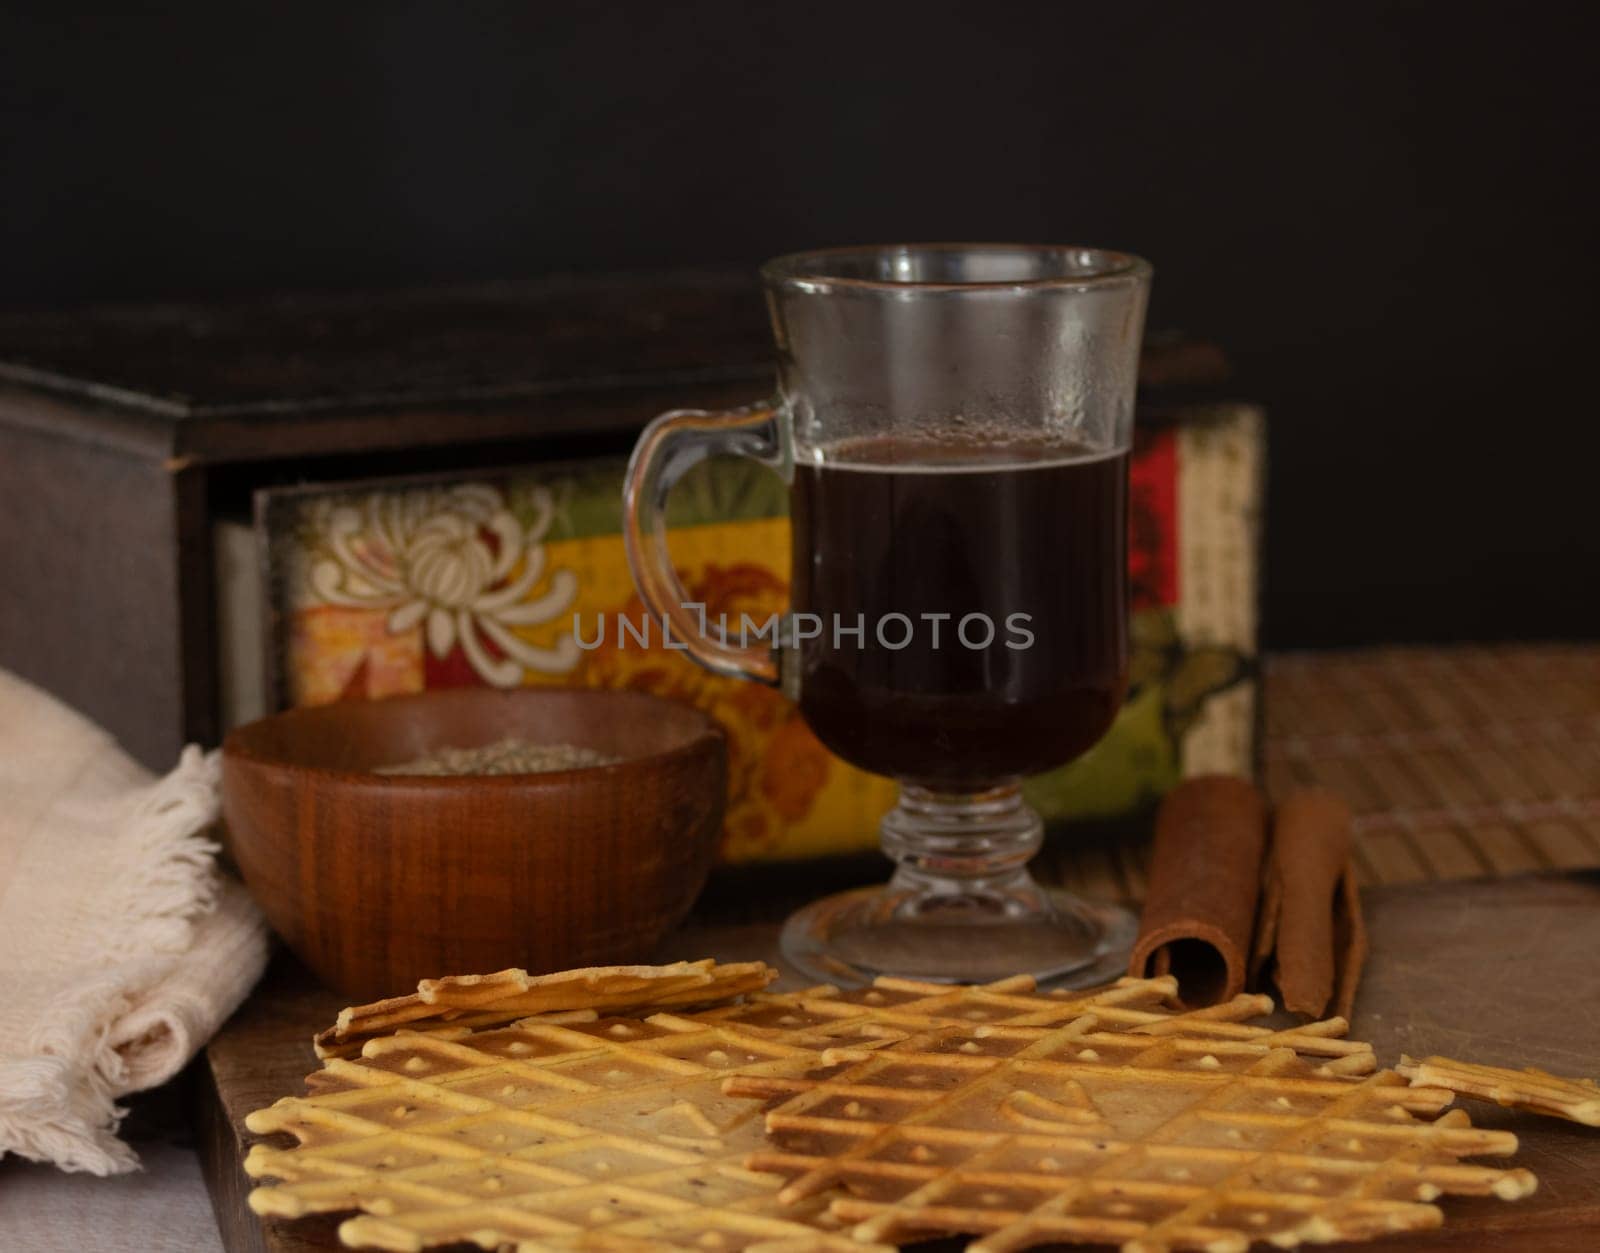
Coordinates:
456 561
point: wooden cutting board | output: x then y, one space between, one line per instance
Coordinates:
1505 972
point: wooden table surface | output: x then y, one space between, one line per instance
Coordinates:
1505 972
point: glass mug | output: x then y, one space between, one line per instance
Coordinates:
953 422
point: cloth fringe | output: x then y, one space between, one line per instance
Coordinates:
60 1103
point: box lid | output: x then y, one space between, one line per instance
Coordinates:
292 355
313 374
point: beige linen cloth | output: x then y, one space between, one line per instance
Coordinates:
122 947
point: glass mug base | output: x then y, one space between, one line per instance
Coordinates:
853 937
961 907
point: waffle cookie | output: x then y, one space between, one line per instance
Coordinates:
1029 1119
1538 1091
476 1001
574 1131
892 1113
605 1133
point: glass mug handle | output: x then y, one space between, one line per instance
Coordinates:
670 447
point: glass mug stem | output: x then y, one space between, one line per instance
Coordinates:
967 844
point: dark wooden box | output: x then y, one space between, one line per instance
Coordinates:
125 433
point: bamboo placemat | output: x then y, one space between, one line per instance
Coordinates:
1460 762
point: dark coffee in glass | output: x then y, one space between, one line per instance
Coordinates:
989 582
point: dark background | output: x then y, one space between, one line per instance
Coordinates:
1376 209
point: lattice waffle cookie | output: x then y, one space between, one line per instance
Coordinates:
605 1133
1537 1091
1029 1119
902 1110
493 1000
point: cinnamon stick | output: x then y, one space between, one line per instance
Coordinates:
1311 941
1350 940
1205 878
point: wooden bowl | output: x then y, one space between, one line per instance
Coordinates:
377 881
